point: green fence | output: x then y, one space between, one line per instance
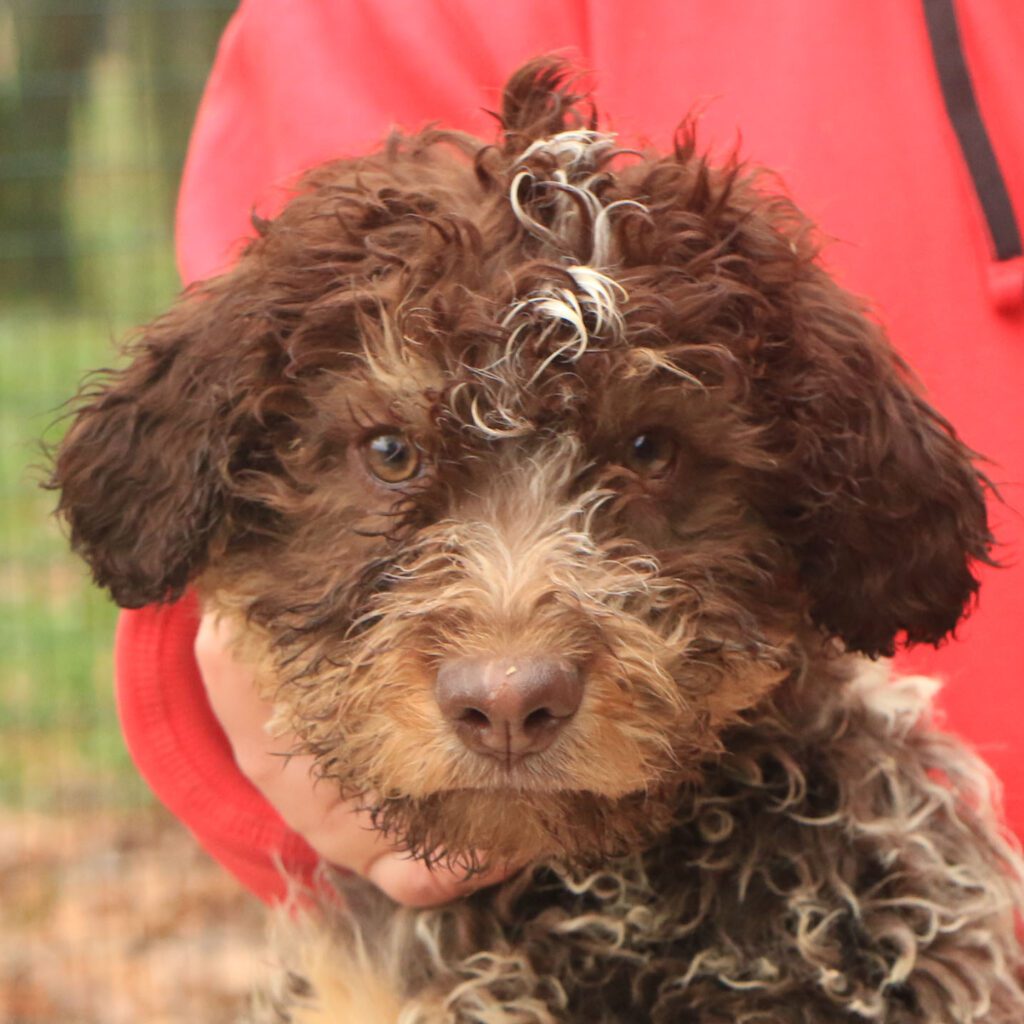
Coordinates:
96 102
109 911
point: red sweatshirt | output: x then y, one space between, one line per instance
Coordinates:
844 99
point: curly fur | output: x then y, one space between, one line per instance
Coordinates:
840 863
745 821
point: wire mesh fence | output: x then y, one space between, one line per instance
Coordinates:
108 912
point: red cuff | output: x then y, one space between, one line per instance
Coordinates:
181 751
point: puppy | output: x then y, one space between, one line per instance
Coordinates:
563 502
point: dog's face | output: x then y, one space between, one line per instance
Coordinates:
537 466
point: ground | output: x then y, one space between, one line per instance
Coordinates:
117 917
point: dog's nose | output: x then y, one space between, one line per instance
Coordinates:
508 707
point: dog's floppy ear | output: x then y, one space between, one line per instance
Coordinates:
877 497
143 468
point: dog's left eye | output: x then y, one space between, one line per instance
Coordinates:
651 453
391 457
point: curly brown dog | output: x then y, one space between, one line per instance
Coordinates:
566 500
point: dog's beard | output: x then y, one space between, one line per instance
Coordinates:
472 811
604 788
474 830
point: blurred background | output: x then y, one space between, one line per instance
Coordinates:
109 912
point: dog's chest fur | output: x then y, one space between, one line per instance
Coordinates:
825 859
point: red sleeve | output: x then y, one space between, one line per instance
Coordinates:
183 754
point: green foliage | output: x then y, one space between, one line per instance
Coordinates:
96 98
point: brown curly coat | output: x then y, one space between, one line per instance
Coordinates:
746 820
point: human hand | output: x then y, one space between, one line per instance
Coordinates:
337 829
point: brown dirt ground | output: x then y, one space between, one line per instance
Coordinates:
117 917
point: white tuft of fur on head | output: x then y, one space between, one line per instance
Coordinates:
579 158
580 149
589 309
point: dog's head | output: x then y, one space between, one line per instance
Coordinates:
538 463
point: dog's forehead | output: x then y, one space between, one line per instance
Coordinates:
552 358
571 322
562 358
542 334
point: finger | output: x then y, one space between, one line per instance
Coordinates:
352 839
230 683
414 884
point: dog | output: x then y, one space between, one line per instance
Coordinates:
566 505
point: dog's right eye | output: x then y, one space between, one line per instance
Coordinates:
390 456
651 453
